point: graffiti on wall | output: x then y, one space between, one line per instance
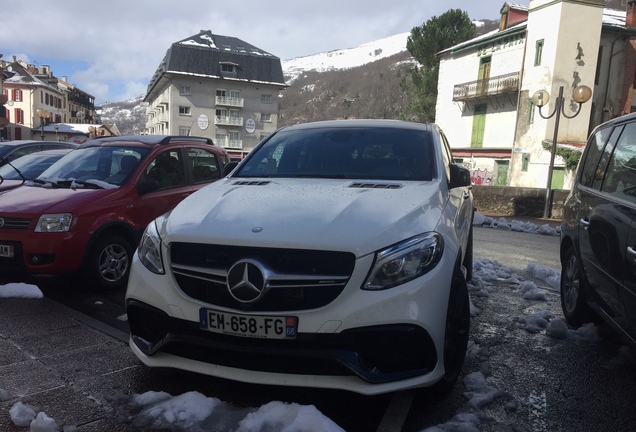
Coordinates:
481 176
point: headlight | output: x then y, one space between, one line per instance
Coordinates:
60 222
405 261
150 249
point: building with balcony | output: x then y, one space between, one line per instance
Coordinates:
486 85
218 87
34 99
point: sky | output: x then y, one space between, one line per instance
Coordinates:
111 51
194 411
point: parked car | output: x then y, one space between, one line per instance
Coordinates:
598 232
333 256
27 167
10 150
88 210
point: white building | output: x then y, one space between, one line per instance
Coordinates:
486 85
218 87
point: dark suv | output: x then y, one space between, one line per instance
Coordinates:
88 210
598 240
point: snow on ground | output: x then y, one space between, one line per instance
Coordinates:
194 411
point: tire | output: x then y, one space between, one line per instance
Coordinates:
456 334
109 262
468 256
573 300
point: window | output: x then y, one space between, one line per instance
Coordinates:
538 52
591 172
530 112
266 117
17 95
184 131
235 94
167 169
225 67
620 176
184 90
184 110
221 92
204 165
18 116
266 98
525 162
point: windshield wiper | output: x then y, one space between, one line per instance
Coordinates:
16 170
87 183
45 182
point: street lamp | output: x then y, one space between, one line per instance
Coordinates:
56 127
581 94
43 114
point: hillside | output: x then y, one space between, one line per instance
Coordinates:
357 82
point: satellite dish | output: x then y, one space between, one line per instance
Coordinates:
80 115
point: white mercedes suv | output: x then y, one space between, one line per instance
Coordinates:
335 256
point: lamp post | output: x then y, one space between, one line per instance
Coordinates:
581 94
56 127
43 114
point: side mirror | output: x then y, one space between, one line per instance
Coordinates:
147 186
229 168
460 177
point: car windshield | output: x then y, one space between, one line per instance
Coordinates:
93 167
29 166
376 153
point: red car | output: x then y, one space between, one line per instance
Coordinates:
88 210
27 167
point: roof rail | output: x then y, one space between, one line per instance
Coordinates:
169 139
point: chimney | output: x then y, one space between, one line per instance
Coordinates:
630 19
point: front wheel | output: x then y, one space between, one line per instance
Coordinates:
109 262
573 301
456 335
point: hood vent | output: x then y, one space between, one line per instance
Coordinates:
251 183
376 185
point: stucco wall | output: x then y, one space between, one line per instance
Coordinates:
517 201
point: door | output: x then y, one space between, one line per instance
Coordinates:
484 75
479 125
605 219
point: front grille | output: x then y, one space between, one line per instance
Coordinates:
14 223
298 279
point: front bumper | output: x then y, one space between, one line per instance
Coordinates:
369 342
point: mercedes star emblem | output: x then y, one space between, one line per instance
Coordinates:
246 281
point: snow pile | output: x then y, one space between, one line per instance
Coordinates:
20 290
519 226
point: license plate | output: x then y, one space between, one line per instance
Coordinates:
6 251
252 326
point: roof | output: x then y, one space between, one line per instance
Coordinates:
202 55
612 20
16 74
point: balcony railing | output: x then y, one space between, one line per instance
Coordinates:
230 101
491 86
228 121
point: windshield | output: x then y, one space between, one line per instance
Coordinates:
96 167
30 166
357 152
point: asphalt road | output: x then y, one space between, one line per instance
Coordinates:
537 382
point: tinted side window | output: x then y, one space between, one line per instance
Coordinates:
595 147
620 177
204 165
167 169
24 151
605 157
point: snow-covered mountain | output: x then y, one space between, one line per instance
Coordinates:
345 58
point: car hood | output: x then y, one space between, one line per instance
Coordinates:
307 214
38 200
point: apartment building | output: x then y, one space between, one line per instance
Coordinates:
486 85
218 87
34 101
